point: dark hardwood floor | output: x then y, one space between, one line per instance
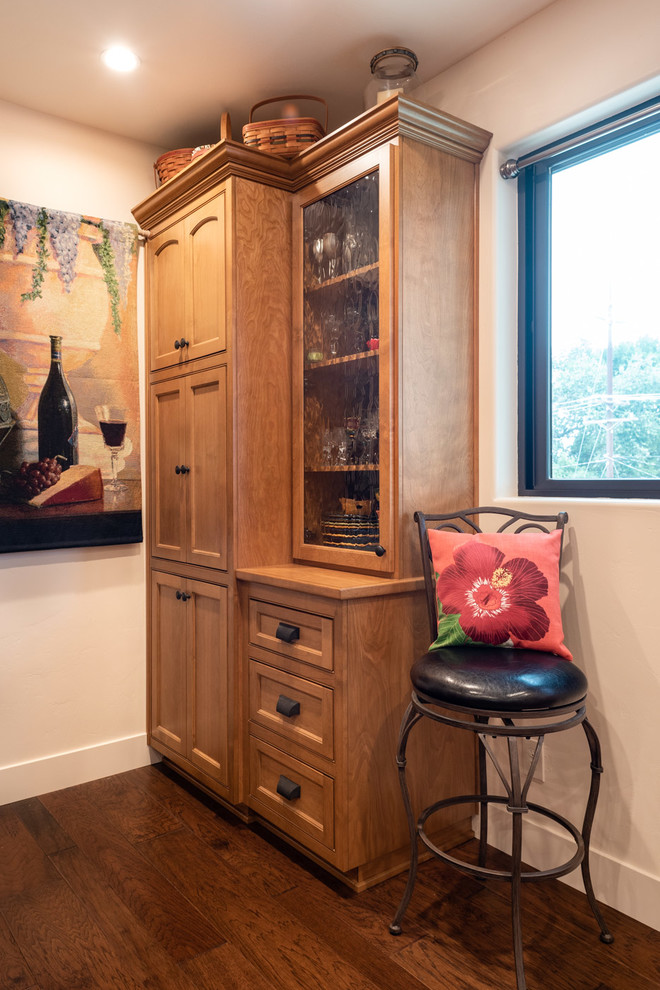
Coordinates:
140 881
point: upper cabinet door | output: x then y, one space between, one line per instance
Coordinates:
205 281
166 296
187 286
343 471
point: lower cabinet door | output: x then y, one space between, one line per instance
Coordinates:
189 672
208 713
168 719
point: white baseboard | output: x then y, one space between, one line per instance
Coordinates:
52 773
620 885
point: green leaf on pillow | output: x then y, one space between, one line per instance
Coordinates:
449 631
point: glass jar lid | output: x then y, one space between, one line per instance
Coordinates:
405 53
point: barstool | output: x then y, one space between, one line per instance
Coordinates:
505 692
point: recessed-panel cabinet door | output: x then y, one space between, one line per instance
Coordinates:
207 691
166 297
169 661
169 470
206 445
206 320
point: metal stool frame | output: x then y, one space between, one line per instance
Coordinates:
512 725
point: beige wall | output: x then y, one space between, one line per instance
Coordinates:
72 622
571 64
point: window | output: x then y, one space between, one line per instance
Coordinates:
589 339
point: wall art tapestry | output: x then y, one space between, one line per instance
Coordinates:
69 396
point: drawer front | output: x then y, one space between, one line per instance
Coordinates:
293 796
294 707
292 633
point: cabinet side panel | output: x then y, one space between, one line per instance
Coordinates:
386 635
262 376
437 338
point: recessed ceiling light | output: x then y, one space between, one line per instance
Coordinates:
120 59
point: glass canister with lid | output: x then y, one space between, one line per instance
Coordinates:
393 73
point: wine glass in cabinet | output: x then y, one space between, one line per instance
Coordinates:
342 511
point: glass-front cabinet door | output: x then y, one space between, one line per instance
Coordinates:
342 439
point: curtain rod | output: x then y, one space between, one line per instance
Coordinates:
648 111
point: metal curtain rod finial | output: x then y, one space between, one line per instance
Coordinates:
509 169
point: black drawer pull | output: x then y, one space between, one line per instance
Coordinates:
288 634
287 706
288 788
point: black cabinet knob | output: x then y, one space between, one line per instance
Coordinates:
180 344
288 788
181 469
287 706
287 633
380 551
182 596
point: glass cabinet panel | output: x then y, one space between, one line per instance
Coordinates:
341 362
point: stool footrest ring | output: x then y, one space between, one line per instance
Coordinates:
486 873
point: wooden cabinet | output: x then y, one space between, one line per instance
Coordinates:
187 285
218 264
188 679
328 657
188 446
384 340
311 372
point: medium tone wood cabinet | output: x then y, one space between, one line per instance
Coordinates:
187 285
219 426
189 672
312 355
188 445
328 661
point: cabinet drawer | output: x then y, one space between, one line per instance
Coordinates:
310 635
293 707
308 812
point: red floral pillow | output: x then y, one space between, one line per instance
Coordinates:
498 589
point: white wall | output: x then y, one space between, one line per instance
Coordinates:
573 63
72 622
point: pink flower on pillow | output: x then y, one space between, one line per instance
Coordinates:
496 599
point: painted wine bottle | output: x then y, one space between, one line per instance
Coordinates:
57 415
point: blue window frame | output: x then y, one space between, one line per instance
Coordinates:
589 311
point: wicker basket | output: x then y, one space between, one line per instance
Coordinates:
288 135
170 163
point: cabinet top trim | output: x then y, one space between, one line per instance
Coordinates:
397 117
327 583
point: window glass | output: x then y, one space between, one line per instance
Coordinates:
589 342
605 323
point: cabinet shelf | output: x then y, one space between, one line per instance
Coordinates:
342 468
345 359
344 277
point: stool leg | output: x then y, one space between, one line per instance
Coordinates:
596 771
411 717
517 808
483 804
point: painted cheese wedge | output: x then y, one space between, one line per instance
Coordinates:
80 483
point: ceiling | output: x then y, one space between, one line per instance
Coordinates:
200 58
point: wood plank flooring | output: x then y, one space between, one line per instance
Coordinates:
140 881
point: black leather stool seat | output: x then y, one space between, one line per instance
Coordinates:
484 678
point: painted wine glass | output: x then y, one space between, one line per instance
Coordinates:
112 420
